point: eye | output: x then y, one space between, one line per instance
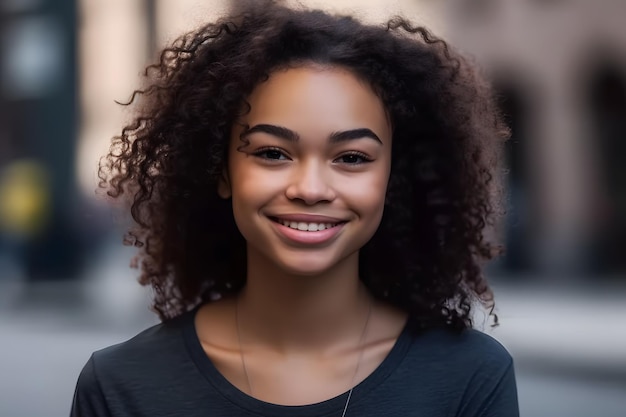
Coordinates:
353 158
273 154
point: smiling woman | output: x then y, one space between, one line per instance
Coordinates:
310 156
311 197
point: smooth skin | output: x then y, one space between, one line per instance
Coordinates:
316 142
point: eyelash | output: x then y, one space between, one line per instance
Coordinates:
262 153
365 158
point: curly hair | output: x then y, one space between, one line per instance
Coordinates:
427 255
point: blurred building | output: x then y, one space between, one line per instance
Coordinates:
38 119
560 68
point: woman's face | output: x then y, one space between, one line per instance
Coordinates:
308 190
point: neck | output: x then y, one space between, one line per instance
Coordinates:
290 311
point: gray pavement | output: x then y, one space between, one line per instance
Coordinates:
578 331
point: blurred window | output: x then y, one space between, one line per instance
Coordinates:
607 105
32 64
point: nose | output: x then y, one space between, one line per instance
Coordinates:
311 183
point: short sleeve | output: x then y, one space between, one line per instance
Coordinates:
89 400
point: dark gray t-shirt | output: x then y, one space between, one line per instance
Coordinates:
164 371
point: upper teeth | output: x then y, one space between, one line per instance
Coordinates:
310 227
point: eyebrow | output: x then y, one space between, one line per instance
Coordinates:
352 134
335 137
278 131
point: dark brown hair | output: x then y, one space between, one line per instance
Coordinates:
425 258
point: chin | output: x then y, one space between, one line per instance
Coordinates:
305 268
311 264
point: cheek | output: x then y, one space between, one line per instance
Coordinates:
246 203
247 196
367 197
257 185
252 189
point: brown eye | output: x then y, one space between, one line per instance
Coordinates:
271 154
353 159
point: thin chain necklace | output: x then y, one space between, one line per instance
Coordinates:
356 369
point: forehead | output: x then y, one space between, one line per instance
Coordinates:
312 99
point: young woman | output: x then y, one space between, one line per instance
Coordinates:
311 197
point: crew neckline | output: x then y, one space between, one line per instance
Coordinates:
331 407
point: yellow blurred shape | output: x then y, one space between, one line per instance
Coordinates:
24 198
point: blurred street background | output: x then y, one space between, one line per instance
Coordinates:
559 67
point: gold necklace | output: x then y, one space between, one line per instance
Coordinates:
356 369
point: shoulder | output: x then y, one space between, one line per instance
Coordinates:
150 352
469 351
470 371
121 379
148 340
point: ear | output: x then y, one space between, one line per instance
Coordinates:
223 186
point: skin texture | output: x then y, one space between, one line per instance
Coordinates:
287 364
303 311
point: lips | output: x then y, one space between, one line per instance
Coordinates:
307 229
307 218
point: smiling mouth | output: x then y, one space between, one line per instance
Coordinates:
305 226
